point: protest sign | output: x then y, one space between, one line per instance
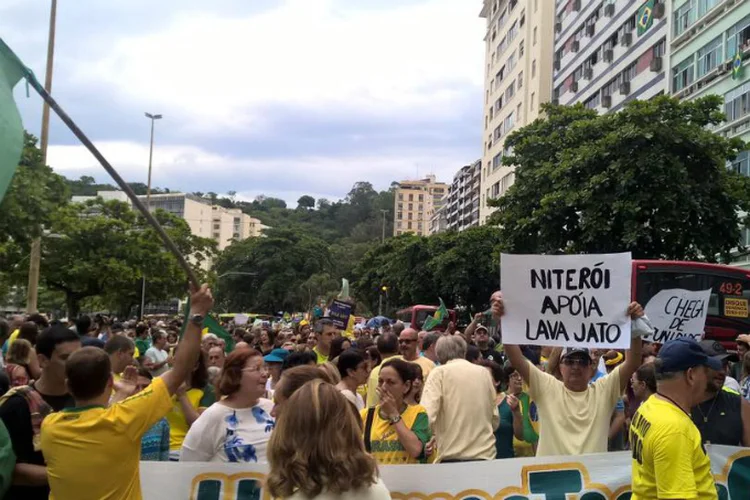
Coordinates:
676 313
567 300
605 476
339 313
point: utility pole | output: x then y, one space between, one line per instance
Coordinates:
36 244
153 118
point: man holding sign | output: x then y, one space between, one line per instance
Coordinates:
576 308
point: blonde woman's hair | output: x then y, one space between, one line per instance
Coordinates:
19 352
332 371
317 446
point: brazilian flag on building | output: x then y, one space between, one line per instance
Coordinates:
645 17
737 64
436 319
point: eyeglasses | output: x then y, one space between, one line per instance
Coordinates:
576 361
255 370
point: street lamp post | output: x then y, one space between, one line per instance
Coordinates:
153 118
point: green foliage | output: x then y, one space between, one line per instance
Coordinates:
306 201
650 179
287 267
102 249
87 186
462 268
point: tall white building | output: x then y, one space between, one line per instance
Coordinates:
518 79
461 209
609 52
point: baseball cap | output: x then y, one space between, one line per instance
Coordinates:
481 327
680 354
276 356
717 351
569 351
744 338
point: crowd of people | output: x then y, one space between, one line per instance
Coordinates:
325 408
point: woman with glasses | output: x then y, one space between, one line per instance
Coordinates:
237 428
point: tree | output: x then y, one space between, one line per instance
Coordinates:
103 249
650 179
279 263
306 202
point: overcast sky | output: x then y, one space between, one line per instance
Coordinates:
274 97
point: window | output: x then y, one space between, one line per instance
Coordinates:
408 224
419 226
609 88
509 122
709 56
741 164
421 207
737 36
421 198
594 101
520 80
499 103
536 5
523 19
411 206
533 68
533 40
500 75
518 111
511 61
520 48
411 197
217 227
398 225
660 48
410 216
682 75
497 161
510 91
495 190
531 103
683 17
629 73
737 102
400 197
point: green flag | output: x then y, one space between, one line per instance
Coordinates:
737 65
212 326
11 129
645 17
344 294
436 319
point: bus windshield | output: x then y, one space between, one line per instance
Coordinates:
730 292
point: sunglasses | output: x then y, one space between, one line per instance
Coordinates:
576 361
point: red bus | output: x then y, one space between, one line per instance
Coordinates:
730 292
414 317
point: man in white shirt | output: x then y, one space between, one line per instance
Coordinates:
157 359
574 416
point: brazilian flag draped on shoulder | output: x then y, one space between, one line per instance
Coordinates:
11 129
436 319
210 325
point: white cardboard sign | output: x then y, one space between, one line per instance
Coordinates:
676 313
566 300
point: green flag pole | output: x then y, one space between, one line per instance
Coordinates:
31 79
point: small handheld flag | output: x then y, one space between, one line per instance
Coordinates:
436 319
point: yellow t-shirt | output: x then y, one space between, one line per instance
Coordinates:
136 353
425 364
573 423
78 442
668 458
178 426
385 446
322 358
13 336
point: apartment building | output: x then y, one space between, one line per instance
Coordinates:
709 43
462 204
416 203
609 52
518 78
208 221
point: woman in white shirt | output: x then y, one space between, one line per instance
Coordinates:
354 373
237 428
317 451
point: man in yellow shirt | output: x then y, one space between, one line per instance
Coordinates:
669 460
120 350
325 330
407 342
78 441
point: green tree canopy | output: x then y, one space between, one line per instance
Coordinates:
306 201
651 179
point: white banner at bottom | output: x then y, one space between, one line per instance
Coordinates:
587 477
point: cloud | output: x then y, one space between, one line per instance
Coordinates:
326 91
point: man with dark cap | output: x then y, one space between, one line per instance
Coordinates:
721 415
669 460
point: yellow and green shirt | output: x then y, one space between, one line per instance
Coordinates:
322 358
78 442
178 426
385 446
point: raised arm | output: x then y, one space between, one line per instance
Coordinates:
633 356
201 303
516 357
